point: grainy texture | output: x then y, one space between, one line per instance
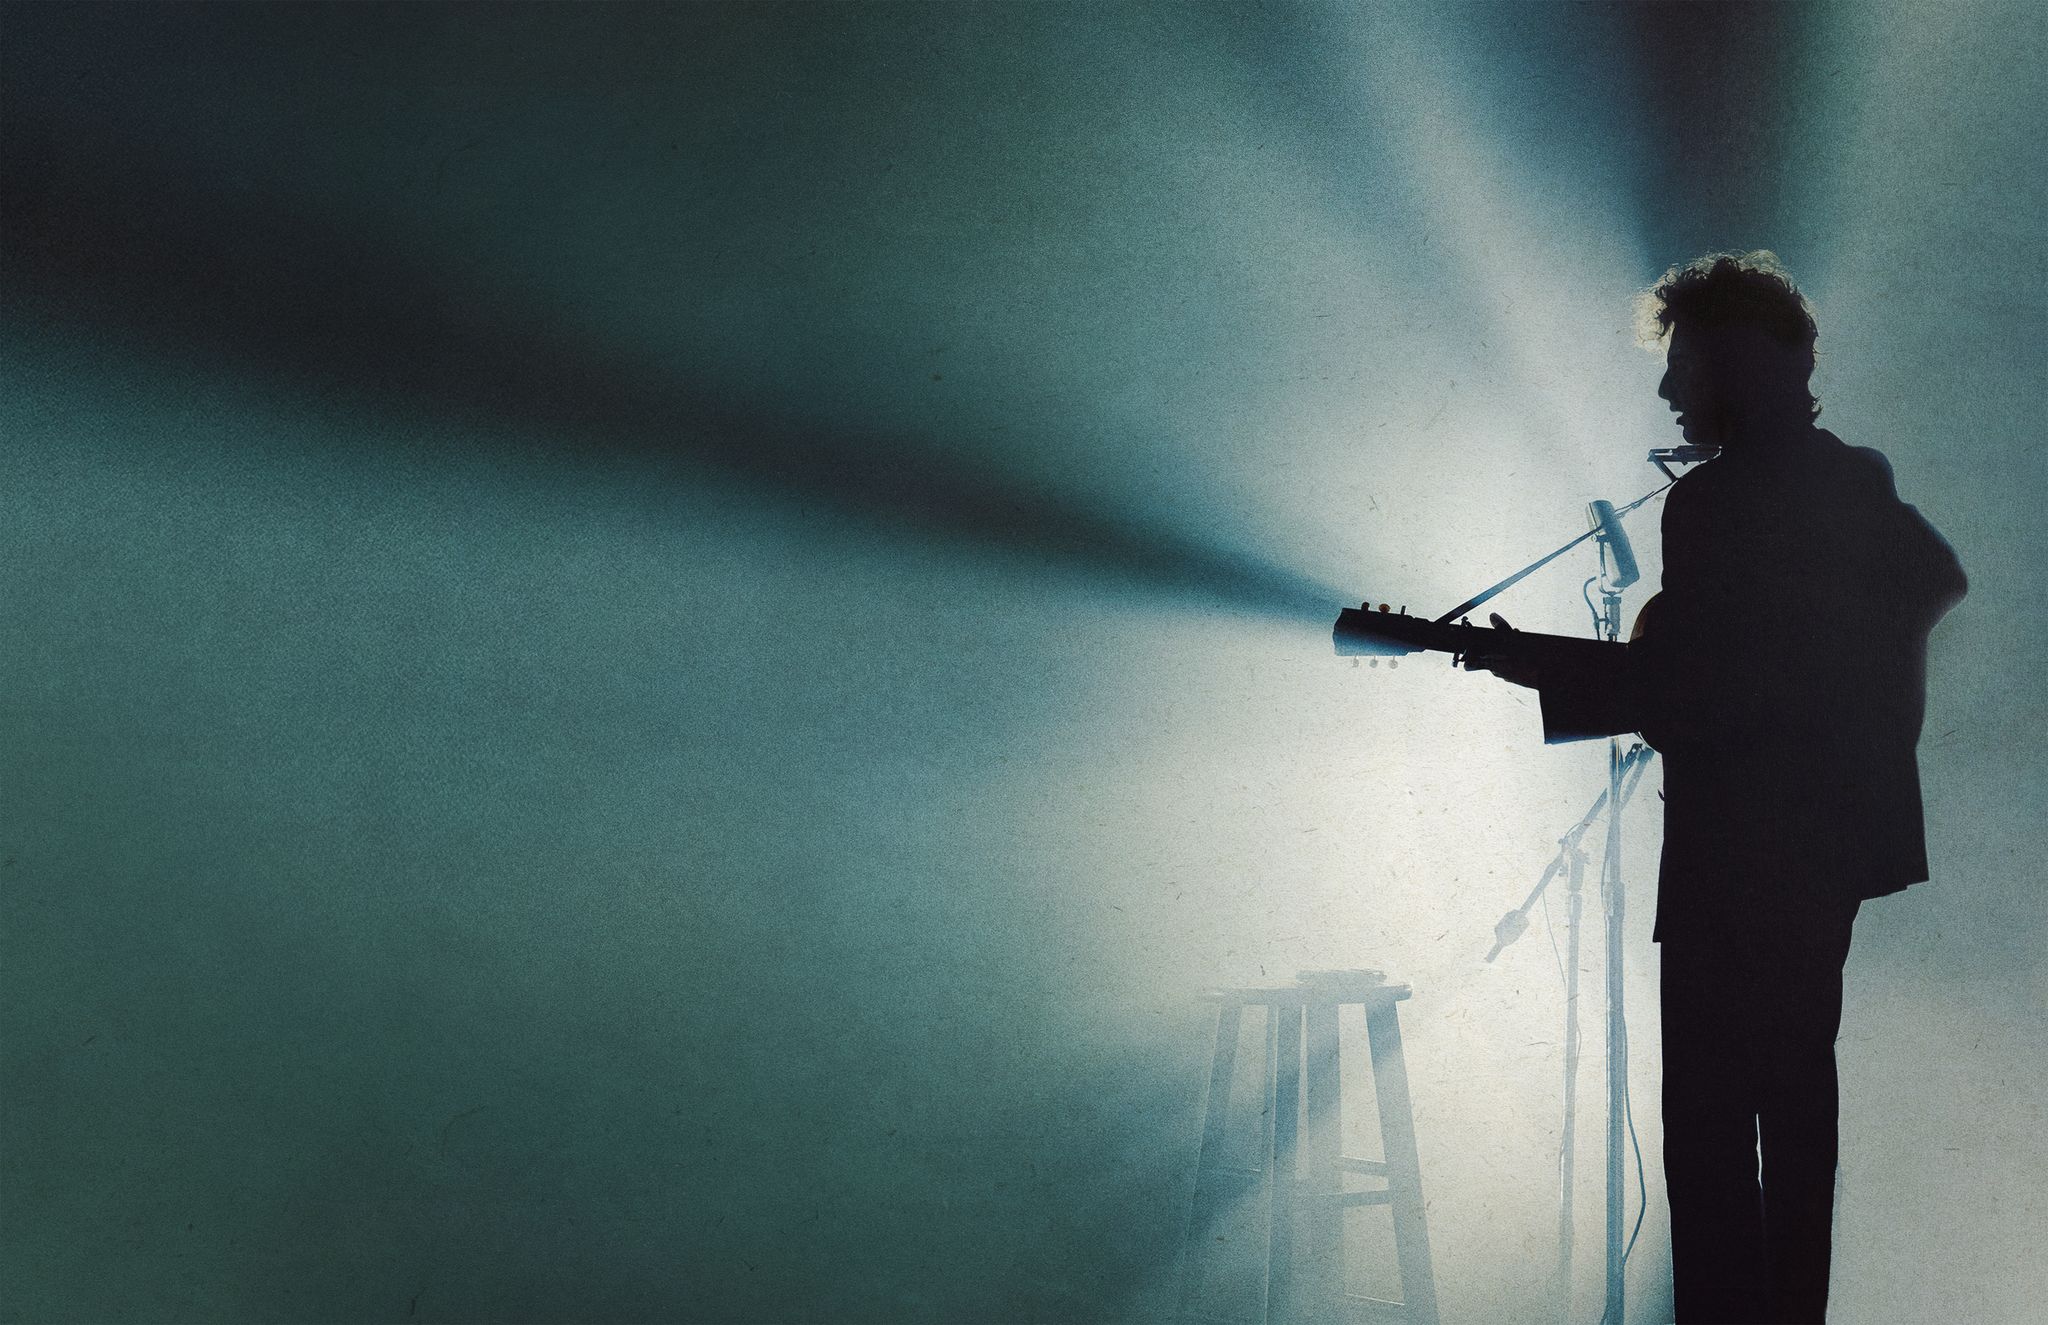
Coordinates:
649 650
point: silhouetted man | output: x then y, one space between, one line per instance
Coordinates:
1781 673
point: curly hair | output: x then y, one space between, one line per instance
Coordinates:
1734 289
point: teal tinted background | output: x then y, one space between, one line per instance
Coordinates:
652 649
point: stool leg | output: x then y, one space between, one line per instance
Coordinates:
1207 1200
1404 1167
1320 1251
1280 1282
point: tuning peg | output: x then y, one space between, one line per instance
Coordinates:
1404 609
1383 607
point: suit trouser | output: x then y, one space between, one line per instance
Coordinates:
1750 1018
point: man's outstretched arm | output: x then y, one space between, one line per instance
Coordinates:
1591 699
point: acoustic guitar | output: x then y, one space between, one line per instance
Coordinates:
1366 632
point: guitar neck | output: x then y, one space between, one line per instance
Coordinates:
1363 632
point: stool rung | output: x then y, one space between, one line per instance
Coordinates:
1365 1198
1376 1167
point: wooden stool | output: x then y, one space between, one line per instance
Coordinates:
1301 1167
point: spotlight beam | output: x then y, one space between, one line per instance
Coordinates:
170 255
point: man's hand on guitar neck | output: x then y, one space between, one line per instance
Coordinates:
1509 664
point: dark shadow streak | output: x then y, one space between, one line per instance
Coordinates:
1719 89
190 267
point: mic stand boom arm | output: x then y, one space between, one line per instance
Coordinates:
1516 922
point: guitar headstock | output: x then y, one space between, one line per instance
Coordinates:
1364 631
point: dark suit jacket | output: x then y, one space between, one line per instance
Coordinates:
1782 675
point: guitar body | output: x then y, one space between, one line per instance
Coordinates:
1642 623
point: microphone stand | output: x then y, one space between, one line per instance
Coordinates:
1613 896
1570 861
1612 905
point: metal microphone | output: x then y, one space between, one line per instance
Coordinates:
1617 559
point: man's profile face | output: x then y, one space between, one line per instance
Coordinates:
1695 385
1725 383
